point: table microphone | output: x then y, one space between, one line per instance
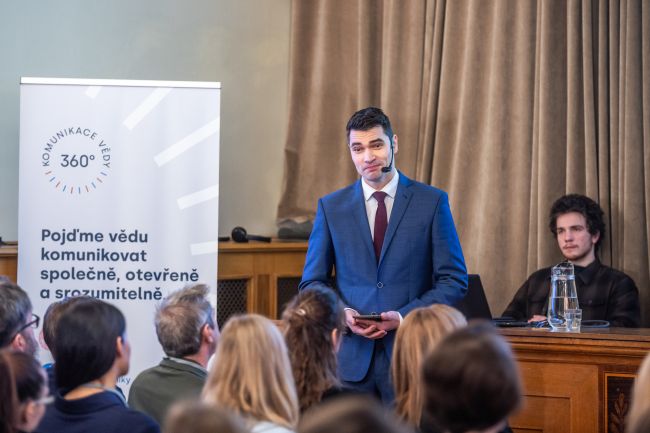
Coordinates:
239 235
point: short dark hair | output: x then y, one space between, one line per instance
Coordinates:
368 118
471 381
52 316
592 212
15 307
180 318
309 319
86 342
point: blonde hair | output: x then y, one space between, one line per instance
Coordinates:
419 333
640 407
251 374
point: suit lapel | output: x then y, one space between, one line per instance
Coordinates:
361 218
402 199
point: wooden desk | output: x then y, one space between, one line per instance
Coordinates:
576 382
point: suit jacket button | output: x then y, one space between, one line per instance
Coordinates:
380 285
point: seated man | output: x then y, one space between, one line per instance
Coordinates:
187 332
603 293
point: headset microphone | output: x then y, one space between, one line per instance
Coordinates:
392 159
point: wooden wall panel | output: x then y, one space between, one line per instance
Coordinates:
264 264
559 398
541 414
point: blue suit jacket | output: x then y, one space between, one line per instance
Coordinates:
421 261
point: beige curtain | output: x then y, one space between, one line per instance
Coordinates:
505 104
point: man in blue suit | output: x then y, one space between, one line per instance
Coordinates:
394 246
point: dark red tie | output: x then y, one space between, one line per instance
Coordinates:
381 221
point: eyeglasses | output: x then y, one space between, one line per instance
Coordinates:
49 399
33 324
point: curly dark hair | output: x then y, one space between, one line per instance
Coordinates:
368 118
309 320
592 212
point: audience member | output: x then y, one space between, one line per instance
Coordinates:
604 293
187 332
198 417
471 383
638 419
50 322
23 392
314 322
350 414
91 351
419 333
52 316
251 375
17 322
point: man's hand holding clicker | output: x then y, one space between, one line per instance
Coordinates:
365 328
372 329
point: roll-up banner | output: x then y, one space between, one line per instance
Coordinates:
119 196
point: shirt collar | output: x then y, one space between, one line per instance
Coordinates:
589 272
390 188
188 362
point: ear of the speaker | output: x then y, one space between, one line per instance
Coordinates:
239 235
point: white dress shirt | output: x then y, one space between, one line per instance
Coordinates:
371 203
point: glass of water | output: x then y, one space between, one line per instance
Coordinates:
573 319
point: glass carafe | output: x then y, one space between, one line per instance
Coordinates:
563 295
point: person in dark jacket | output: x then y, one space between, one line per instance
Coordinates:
577 222
91 351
